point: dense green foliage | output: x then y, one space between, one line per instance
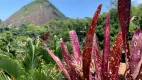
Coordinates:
62 28
136 11
22 57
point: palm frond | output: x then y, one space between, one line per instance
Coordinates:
11 66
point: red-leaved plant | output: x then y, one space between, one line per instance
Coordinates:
89 64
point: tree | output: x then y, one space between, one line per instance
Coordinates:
138 16
0 21
140 6
113 3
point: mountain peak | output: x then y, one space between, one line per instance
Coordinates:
40 1
37 12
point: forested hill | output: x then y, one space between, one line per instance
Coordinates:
37 12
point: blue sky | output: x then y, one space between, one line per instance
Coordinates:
70 8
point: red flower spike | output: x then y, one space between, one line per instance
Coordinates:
88 44
56 59
75 46
97 59
45 36
136 50
106 49
115 58
74 74
124 19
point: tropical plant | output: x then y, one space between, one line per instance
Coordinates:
47 72
11 67
91 65
27 65
3 76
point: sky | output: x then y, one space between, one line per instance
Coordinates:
70 8
137 1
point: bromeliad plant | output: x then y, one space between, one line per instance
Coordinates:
89 64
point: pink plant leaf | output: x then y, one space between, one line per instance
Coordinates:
74 74
92 69
88 44
67 57
139 77
75 46
138 71
106 49
57 60
114 60
97 59
124 19
135 50
127 73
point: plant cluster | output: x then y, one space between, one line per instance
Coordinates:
24 58
89 64
28 64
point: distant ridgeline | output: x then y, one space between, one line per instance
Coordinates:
37 12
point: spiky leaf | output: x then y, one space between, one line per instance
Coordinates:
124 19
88 44
106 49
74 74
135 50
57 60
75 45
97 59
115 58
